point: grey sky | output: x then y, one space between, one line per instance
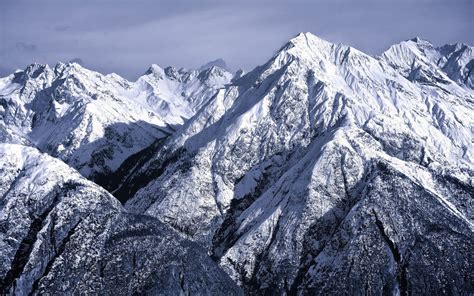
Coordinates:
127 36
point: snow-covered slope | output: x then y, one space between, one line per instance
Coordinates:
323 164
94 122
323 171
175 94
62 234
419 60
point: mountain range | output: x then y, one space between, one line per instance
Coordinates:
323 171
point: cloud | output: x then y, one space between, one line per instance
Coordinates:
77 61
26 47
126 37
61 28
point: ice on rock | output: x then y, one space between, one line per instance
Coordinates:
323 171
62 234
305 166
94 122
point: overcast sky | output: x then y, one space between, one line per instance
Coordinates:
127 36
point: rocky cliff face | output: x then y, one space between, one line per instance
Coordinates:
323 171
306 168
93 121
64 234
418 59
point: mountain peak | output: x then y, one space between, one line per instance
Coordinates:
289 177
154 69
304 44
304 36
35 69
420 41
218 63
307 38
32 71
61 67
176 74
215 73
450 48
416 39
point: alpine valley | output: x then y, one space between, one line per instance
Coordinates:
324 171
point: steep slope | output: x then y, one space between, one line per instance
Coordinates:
94 122
175 94
62 234
419 60
272 174
77 115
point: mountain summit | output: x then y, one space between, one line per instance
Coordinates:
323 171
93 121
305 165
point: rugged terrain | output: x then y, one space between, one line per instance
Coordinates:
94 122
323 171
63 234
326 164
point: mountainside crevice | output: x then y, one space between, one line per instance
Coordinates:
25 248
324 171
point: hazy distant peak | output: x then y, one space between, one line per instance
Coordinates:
419 40
218 63
154 69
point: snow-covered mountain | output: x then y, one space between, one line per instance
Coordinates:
93 121
175 94
418 59
325 170
62 234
